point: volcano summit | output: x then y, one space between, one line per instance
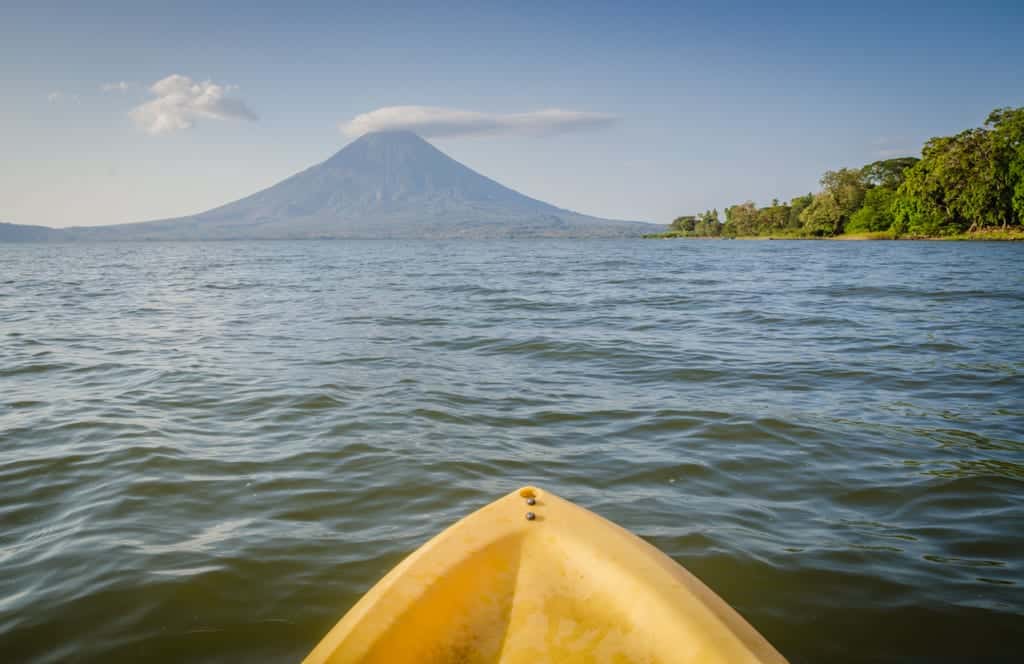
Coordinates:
382 185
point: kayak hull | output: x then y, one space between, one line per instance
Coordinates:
533 578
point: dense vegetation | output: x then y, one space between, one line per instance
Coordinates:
962 184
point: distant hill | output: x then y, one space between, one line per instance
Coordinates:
382 185
22 233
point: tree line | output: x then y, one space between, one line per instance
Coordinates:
964 183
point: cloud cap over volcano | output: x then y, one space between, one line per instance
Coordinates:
433 121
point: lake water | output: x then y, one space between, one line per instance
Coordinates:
208 452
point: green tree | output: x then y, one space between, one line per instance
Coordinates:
1017 177
683 224
741 220
958 185
796 207
920 206
772 218
975 182
972 180
823 216
887 172
882 179
842 194
876 214
847 187
1007 131
968 181
708 224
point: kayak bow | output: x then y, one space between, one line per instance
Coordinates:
534 578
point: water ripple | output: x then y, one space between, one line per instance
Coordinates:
209 451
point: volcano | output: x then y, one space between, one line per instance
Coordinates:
381 185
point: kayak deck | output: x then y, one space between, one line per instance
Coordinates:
533 578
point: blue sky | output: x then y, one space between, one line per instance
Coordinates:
700 105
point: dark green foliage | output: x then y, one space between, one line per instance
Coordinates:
708 224
1017 176
741 220
823 216
961 184
841 195
772 218
796 207
966 182
876 213
888 172
1007 130
683 224
705 224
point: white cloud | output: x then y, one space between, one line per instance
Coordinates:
430 121
120 86
180 101
58 97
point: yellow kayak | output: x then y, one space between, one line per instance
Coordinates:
533 578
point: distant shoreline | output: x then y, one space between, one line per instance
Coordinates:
964 187
990 235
